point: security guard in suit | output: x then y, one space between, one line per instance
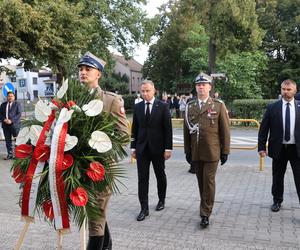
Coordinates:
90 71
206 141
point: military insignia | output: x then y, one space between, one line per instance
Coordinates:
122 110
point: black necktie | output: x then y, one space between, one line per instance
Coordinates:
147 111
287 135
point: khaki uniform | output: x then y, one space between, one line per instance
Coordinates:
112 103
206 137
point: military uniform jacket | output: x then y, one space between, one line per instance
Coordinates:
212 138
114 104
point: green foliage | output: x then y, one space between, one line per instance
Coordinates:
185 34
129 102
115 83
281 20
244 72
250 108
56 33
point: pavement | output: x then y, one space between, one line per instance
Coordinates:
241 217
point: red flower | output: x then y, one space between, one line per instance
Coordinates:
96 171
42 153
23 151
70 104
56 103
18 175
67 162
48 209
79 197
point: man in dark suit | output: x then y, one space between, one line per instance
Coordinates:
10 114
151 142
281 122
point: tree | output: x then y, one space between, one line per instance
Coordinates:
280 19
243 71
56 33
231 24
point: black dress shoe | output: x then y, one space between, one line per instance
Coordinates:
142 215
275 207
160 206
204 221
95 243
9 157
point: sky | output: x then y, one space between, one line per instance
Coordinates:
151 8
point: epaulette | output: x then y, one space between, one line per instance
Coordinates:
110 93
192 101
217 100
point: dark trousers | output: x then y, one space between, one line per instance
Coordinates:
206 173
9 131
143 166
288 153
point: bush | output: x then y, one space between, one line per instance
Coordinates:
250 108
129 102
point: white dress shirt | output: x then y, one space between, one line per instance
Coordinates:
292 121
150 105
202 101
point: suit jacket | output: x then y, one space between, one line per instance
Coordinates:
214 130
272 126
14 113
157 133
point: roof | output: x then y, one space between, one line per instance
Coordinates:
131 63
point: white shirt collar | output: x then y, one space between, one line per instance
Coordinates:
292 102
205 100
151 101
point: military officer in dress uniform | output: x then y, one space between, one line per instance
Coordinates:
206 141
90 72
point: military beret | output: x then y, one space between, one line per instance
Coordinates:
92 61
203 78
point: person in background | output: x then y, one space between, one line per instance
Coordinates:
10 116
138 98
176 106
281 127
182 105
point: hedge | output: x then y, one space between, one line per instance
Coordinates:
128 102
250 108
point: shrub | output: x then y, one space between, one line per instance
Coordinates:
250 108
128 102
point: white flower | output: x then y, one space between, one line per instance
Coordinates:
34 134
63 89
93 108
100 141
71 142
64 115
42 111
23 136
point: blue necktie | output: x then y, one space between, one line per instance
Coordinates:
287 134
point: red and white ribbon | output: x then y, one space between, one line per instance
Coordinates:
56 182
32 177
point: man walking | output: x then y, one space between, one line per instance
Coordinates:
206 141
90 72
151 142
281 124
10 115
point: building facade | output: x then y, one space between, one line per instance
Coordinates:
132 69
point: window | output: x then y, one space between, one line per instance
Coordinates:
35 93
13 79
34 80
